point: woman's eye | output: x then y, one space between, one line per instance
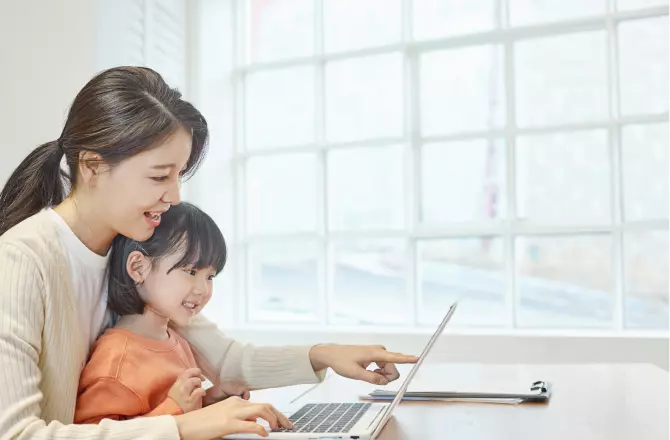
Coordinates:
160 178
191 272
211 277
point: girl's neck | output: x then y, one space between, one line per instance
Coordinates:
90 229
149 324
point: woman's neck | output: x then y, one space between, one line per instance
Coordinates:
149 324
85 225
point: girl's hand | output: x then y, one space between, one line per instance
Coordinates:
231 416
221 392
352 361
187 390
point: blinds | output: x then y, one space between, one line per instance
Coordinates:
148 33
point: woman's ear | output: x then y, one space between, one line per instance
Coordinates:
138 266
90 165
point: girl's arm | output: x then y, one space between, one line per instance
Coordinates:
107 398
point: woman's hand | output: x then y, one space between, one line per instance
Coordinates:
352 361
230 416
221 392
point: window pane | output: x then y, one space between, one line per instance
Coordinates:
564 177
565 281
280 108
561 79
443 18
644 159
470 270
364 98
365 188
283 281
355 24
646 274
462 90
639 4
280 29
369 282
463 181
643 63
525 12
281 194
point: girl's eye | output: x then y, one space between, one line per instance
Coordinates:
191 272
211 277
160 178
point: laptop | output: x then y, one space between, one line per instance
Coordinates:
349 420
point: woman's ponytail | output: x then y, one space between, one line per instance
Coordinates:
34 185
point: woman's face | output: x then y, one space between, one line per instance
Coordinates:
132 195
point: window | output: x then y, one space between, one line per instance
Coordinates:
392 156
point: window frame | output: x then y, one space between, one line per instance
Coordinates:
508 229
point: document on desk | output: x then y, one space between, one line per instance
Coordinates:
389 397
484 390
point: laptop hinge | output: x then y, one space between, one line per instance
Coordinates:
379 414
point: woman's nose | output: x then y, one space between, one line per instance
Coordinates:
173 195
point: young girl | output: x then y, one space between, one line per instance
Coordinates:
142 367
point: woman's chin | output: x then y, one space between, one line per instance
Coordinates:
138 234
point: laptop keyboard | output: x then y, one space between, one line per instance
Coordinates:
326 417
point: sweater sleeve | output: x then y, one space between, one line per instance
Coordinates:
168 406
21 324
223 359
107 398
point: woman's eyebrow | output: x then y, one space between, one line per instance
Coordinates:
167 165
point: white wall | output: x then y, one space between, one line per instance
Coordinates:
46 55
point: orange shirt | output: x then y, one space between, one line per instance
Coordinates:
129 376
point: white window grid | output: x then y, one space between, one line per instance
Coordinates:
507 229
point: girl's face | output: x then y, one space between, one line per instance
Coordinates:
178 295
131 196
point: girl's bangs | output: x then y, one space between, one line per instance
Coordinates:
202 243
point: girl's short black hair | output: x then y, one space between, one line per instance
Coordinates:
183 228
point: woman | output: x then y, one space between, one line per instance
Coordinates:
128 141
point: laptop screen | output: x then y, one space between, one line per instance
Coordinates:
412 373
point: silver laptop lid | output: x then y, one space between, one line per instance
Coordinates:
415 368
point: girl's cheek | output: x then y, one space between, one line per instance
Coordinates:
208 296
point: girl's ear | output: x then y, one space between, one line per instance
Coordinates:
138 266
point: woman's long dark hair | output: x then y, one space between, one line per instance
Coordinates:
184 228
119 113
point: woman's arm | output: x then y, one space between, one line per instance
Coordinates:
21 323
222 358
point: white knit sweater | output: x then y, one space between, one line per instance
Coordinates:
42 350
